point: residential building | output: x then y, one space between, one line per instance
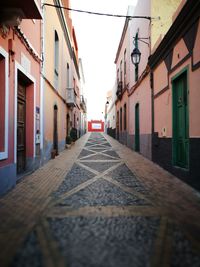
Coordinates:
134 103
162 89
110 113
61 80
123 81
20 58
40 86
175 67
83 101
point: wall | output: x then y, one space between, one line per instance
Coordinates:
92 126
142 26
55 96
25 59
141 96
165 11
183 57
123 132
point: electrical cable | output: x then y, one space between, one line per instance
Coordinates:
97 13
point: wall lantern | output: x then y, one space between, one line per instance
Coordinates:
135 56
107 103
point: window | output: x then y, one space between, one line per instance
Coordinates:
120 119
3 104
121 71
68 84
125 67
56 59
124 117
136 66
117 76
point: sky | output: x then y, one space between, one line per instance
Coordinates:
98 39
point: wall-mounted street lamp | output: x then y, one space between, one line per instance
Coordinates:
107 103
135 56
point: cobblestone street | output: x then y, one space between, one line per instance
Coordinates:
99 204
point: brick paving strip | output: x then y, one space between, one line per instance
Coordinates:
179 200
100 204
21 208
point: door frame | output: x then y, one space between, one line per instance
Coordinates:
19 67
185 71
4 154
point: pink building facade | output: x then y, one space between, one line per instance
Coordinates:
20 57
175 68
161 93
133 104
122 62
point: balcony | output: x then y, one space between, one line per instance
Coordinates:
83 104
25 9
119 90
70 97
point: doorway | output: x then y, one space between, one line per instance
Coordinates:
21 128
180 122
55 129
68 125
117 125
137 128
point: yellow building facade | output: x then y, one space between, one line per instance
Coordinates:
61 79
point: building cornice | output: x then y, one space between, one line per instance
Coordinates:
122 39
67 36
21 35
187 17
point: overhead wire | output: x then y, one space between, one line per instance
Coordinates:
98 13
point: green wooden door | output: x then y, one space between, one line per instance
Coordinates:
137 128
180 122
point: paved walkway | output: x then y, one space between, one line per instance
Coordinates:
99 204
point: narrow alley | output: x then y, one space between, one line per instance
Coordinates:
100 204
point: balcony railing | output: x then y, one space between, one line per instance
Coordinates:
71 97
82 103
119 89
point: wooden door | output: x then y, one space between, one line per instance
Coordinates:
180 122
137 128
21 129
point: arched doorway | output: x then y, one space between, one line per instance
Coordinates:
68 125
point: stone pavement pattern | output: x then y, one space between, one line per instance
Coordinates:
105 207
